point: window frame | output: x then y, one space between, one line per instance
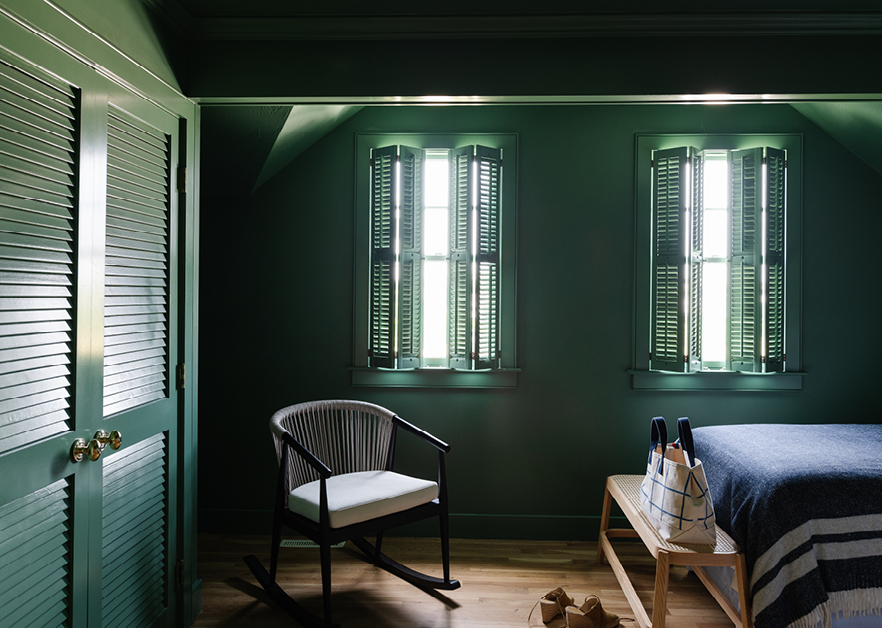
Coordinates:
506 375
642 377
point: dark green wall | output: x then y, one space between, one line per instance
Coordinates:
529 67
276 314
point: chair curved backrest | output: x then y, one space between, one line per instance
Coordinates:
347 436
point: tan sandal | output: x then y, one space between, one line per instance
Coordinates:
590 615
553 604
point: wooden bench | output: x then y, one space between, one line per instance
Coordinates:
625 489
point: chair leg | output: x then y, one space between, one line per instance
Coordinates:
378 544
325 553
445 546
274 549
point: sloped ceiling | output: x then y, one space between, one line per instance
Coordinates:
305 125
855 125
264 139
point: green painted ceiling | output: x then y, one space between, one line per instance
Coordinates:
356 8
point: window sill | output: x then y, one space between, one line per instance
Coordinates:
433 378
748 382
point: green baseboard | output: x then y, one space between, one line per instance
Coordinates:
462 525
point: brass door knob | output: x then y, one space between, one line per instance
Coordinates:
92 450
114 439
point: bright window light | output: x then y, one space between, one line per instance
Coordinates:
715 268
435 304
435 242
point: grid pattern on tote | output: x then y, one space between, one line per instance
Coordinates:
659 491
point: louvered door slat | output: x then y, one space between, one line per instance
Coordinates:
135 551
136 248
35 558
37 194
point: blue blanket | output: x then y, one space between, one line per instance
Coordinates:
804 502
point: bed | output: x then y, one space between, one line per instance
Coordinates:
804 502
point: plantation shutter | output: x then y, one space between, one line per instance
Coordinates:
38 150
696 219
459 280
670 278
489 210
410 312
136 279
381 350
776 165
745 333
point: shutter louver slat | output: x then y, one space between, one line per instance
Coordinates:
459 282
775 259
136 248
135 551
38 118
35 558
489 212
745 172
383 298
410 280
670 277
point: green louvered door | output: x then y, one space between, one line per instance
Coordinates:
88 342
43 545
136 536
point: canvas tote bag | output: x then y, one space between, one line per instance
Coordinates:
674 493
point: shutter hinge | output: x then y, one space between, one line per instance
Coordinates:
499 354
785 163
501 161
179 575
371 162
650 356
370 353
182 374
784 357
398 158
182 179
764 161
652 163
472 355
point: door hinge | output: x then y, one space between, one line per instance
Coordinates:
182 376
179 575
182 179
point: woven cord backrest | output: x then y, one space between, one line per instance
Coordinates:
348 436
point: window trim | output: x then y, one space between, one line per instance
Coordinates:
362 375
642 377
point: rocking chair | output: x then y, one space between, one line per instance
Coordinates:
336 484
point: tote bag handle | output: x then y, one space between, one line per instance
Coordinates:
686 443
658 435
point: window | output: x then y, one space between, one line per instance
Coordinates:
435 251
718 280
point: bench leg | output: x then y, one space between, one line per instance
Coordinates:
743 592
660 602
604 522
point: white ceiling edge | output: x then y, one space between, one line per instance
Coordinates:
305 125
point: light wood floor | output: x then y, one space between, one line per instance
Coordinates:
501 581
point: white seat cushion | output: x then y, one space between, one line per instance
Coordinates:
357 497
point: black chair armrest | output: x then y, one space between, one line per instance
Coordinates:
307 455
438 444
